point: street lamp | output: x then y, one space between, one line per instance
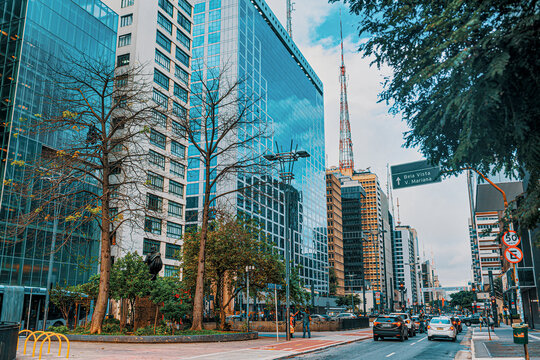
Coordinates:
286 160
351 276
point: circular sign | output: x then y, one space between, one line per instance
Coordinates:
513 255
511 238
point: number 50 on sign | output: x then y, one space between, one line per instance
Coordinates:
511 238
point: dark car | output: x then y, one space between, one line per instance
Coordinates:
473 319
390 327
456 321
419 324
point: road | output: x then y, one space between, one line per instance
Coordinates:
417 348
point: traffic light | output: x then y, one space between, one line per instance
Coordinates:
401 285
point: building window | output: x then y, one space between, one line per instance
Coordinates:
162 60
157 139
166 6
184 5
149 245
122 60
183 39
174 230
126 3
184 22
199 8
156 159
172 251
175 209
178 169
213 38
178 149
163 41
152 225
124 40
182 56
179 110
165 23
192 215
160 99
126 20
155 181
161 79
177 129
181 74
154 202
171 271
160 119
176 188
180 93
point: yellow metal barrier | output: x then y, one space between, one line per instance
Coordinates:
58 336
32 335
20 332
45 337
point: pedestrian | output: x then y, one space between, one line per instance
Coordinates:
491 323
306 319
291 325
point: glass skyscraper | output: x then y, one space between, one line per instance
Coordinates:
246 38
34 35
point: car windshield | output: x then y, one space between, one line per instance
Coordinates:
404 316
386 319
440 321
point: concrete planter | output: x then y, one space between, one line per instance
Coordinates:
334 325
165 339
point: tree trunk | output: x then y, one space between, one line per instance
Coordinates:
222 304
198 298
105 259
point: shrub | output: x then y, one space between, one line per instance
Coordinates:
62 329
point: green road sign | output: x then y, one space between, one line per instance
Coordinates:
413 174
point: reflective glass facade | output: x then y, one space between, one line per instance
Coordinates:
36 34
246 36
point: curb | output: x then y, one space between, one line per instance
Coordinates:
164 339
321 348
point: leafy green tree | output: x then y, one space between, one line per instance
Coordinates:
346 300
463 299
233 243
172 296
300 297
64 299
466 80
130 280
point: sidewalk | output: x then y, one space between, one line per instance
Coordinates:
501 346
266 347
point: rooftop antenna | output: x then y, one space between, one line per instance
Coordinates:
290 9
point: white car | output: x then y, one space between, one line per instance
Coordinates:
441 327
345 316
408 321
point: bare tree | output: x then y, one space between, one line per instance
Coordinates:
224 126
102 118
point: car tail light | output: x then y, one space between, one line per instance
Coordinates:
417 322
376 323
429 327
451 328
408 321
398 324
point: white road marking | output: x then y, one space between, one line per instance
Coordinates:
416 342
390 354
534 337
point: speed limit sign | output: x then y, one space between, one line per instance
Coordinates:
511 238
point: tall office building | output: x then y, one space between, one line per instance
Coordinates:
335 230
157 35
475 254
405 269
36 33
376 226
489 208
245 39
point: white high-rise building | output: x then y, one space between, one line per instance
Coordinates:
405 255
157 34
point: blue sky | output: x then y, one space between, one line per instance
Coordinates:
439 211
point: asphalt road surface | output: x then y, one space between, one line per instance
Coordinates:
418 348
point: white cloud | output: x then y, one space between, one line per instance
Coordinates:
440 211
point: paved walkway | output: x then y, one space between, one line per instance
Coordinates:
266 348
501 346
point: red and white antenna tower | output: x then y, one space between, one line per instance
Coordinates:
346 161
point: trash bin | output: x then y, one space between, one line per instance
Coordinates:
521 333
9 335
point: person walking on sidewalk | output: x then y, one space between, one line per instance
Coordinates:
305 323
291 324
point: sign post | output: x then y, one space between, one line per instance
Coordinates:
514 255
415 173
